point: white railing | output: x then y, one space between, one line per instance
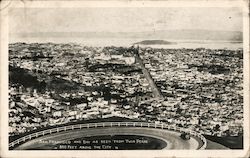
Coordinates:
109 124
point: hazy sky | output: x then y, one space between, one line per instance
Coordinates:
123 19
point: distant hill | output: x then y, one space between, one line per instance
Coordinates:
155 42
158 34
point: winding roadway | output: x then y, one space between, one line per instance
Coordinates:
172 138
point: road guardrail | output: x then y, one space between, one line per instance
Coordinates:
108 124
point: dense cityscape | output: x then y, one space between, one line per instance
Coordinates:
53 84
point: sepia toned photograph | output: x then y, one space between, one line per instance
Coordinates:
131 77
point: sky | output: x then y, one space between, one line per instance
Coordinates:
32 20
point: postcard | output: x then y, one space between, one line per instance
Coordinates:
125 78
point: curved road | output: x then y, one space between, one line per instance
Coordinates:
172 138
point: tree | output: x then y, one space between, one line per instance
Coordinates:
217 127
